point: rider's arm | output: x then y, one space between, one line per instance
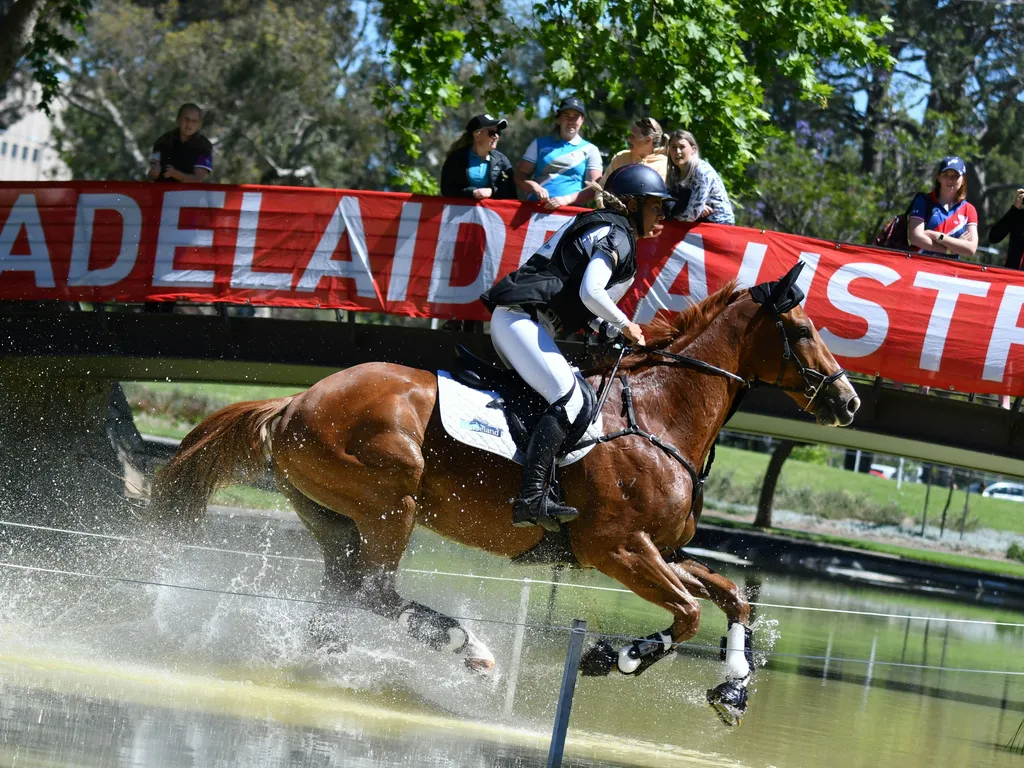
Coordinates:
593 293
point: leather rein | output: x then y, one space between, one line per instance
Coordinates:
814 382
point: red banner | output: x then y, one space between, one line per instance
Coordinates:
915 319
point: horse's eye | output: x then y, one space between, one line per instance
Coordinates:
805 332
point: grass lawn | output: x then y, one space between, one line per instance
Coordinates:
223 393
749 467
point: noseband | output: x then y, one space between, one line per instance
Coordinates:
814 380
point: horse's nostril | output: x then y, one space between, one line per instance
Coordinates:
853 405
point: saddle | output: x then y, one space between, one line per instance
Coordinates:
521 404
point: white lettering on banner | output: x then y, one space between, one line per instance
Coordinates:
949 289
405 246
242 275
347 219
1005 333
37 261
689 255
79 273
875 315
750 267
441 289
171 238
537 233
810 260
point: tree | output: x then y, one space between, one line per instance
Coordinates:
763 518
702 65
286 91
36 31
955 88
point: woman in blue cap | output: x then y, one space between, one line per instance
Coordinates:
942 222
574 280
474 166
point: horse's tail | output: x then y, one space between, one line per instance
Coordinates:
229 446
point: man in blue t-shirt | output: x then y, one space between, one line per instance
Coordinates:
555 168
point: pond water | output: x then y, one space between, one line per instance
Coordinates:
118 671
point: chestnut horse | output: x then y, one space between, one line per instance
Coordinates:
362 457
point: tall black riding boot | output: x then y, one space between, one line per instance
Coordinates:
536 503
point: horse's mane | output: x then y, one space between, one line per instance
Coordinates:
685 326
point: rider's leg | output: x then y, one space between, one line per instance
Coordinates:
531 351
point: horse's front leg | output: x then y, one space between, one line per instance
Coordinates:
638 565
728 699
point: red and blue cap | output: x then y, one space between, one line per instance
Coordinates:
953 163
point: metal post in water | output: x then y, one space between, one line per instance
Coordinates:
871 670
828 658
871 662
565 694
927 493
517 648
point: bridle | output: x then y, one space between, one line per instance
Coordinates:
814 380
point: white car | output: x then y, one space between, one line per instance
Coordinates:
1011 491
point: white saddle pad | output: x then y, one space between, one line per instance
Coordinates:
466 417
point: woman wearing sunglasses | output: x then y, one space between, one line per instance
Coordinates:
474 166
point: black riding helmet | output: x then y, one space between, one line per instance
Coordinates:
637 181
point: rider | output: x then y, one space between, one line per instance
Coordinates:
573 280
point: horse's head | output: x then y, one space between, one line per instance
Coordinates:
790 354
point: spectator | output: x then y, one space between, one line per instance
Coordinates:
942 222
556 168
1011 224
182 154
696 187
646 147
474 166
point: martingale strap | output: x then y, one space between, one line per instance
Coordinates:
632 428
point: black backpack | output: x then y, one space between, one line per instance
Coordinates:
896 234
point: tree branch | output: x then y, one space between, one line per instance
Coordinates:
99 96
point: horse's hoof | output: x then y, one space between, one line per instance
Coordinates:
729 701
599 660
484 667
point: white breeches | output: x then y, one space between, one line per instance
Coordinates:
528 348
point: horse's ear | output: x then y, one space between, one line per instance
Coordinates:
786 283
786 294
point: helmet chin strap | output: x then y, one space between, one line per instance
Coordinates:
637 216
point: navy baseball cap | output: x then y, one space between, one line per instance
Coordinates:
953 163
486 121
571 102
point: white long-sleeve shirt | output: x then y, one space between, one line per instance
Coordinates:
594 291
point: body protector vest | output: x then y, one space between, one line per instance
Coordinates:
552 277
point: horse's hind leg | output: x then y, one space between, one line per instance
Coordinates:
338 538
384 539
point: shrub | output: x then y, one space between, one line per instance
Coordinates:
1015 552
812 454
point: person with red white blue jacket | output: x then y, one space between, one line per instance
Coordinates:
942 222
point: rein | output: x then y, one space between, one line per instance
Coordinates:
814 382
